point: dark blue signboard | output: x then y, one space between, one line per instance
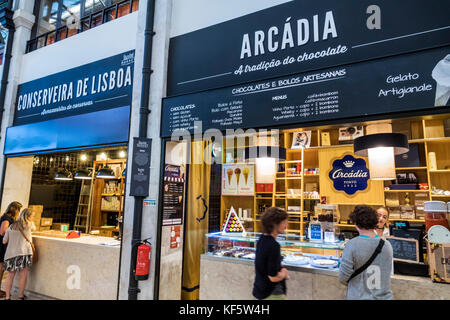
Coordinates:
414 81
300 36
86 130
97 86
349 174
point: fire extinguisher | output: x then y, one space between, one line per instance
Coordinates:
142 268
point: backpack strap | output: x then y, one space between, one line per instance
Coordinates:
369 262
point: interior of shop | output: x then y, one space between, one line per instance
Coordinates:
240 188
80 191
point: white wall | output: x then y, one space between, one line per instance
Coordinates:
191 15
101 42
17 181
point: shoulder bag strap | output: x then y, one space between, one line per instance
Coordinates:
26 238
369 262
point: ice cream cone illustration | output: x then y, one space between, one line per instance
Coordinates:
237 171
245 172
441 74
230 174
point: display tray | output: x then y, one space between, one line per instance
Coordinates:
284 240
289 258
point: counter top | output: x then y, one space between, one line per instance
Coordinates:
85 239
305 282
306 268
328 272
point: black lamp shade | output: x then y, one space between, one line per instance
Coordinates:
252 153
106 173
64 175
83 174
398 141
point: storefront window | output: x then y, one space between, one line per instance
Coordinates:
228 189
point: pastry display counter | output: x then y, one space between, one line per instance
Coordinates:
227 271
84 268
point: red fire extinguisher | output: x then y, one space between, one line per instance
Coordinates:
143 260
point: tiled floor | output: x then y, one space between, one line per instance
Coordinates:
29 295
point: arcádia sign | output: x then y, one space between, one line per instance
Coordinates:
96 86
349 174
276 38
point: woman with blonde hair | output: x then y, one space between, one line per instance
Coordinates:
6 220
19 252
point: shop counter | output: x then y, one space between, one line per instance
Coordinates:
85 268
225 278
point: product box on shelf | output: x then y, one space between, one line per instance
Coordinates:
37 209
407 212
61 227
45 223
409 159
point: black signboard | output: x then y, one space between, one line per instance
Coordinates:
140 167
405 249
96 86
396 84
300 36
173 195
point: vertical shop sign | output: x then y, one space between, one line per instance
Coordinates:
349 174
140 168
173 195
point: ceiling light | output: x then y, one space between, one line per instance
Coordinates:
64 175
83 174
106 173
381 149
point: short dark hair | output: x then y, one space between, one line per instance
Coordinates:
272 217
364 217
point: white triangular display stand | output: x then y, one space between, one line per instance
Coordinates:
231 214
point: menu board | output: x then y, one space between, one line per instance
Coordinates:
396 84
173 201
404 249
238 179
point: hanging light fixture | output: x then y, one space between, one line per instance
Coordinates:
64 175
83 174
265 158
106 173
381 148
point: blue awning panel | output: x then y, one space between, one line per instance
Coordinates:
97 128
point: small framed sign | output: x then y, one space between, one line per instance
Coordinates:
405 249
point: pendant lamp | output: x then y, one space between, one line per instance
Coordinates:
265 158
106 173
64 175
381 148
83 174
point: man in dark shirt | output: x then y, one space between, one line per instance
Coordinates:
269 275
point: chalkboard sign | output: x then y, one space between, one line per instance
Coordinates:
405 249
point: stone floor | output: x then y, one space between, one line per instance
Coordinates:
29 295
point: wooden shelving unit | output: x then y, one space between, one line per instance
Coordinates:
99 220
428 134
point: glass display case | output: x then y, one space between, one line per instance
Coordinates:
295 250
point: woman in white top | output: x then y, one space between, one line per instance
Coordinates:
383 226
19 252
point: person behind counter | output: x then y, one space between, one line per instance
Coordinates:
270 277
382 226
365 280
19 252
6 220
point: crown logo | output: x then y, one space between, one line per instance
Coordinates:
349 164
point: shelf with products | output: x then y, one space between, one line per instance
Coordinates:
108 194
